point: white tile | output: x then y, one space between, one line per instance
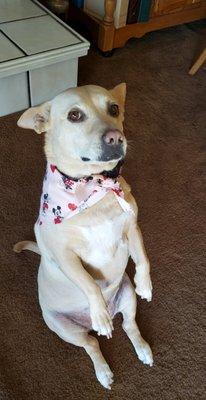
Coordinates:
40 34
18 9
47 82
8 51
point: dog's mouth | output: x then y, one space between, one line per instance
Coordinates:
111 156
113 173
85 159
104 159
108 154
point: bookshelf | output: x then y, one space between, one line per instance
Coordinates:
162 14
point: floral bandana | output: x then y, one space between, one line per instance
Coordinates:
63 197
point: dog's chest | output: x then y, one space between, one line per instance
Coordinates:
104 242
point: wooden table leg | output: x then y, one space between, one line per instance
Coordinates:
198 63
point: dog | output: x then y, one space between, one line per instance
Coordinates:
87 225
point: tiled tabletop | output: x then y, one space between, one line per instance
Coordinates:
8 50
27 29
39 34
12 10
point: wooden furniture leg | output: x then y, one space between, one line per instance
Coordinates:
198 63
107 28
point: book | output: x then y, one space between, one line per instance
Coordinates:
144 10
95 8
133 11
138 11
78 3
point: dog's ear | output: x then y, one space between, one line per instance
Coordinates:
36 118
119 92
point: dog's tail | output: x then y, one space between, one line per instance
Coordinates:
26 245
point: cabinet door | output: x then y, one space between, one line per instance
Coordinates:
161 7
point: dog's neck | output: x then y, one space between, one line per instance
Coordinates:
63 197
112 174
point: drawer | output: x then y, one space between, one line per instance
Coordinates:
162 7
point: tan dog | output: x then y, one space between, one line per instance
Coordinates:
82 281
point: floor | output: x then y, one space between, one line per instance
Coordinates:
165 124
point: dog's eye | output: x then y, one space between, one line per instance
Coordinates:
76 116
113 110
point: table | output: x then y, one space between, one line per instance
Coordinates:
38 55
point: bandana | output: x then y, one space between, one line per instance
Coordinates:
63 197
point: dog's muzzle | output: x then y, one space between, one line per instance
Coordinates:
112 145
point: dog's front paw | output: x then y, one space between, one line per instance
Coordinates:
143 286
101 321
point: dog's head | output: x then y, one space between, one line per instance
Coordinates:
83 126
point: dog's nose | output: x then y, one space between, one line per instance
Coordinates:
113 145
113 137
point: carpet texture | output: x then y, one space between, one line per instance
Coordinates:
165 124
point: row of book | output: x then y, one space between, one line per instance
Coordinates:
138 11
127 11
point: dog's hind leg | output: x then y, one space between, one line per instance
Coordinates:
26 245
78 335
126 304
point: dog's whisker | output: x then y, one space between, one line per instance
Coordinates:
131 149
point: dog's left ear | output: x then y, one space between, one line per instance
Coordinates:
36 118
119 92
